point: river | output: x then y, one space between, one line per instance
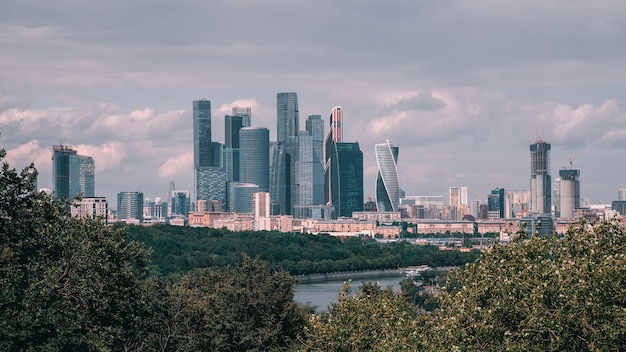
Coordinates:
321 294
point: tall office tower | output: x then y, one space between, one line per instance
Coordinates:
73 175
458 196
387 182
209 174
496 204
254 163
343 177
245 113
231 146
304 170
287 116
335 123
202 151
570 192
621 194
130 206
285 154
315 127
540 180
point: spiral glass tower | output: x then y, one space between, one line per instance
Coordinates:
387 182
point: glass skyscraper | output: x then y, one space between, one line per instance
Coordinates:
287 116
540 180
283 187
254 145
387 182
343 170
209 172
241 117
231 146
73 175
315 127
202 151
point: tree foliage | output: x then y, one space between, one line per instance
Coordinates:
73 285
177 250
65 284
240 308
370 319
544 294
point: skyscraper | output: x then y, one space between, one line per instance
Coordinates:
315 127
387 182
202 151
335 123
309 170
254 161
231 146
245 113
540 180
241 117
569 192
287 116
209 173
343 170
73 175
285 154
345 178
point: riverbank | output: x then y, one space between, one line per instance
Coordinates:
356 275
349 275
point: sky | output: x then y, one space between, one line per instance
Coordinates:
464 87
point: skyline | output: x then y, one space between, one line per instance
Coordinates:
463 89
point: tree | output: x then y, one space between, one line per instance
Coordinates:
370 319
65 284
240 308
543 294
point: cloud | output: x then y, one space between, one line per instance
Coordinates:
576 127
106 157
422 101
175 166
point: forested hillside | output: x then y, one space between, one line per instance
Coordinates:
177 250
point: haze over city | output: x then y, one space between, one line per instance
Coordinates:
463 88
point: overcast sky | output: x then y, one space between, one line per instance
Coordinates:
464 87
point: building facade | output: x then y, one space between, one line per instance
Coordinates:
569 195
496 205
287 117
343 178
387 181
540 180
254 162
91 208
130 206
73 175
458 196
